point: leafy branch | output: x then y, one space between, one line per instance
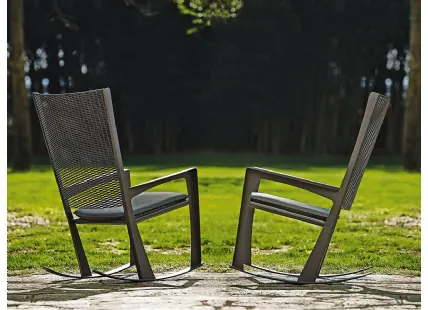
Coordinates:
204 12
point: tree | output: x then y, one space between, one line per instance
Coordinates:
21 109
280 77
412 127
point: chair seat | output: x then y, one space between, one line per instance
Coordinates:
290 206
142 204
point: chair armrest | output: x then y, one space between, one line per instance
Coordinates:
320 189
187 174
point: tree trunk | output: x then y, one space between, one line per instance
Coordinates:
172 129
275 136
21 109
322 124
349 112
412 123
157 137
398 114
334 124
129 137
390 125
303 138
262 133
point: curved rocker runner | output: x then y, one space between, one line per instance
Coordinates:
323 278
342 198
80 134
99 275
160 278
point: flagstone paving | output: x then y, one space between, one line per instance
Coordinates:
200 290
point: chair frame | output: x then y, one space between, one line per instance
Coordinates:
311 270
138 255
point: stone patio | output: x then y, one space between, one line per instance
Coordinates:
200 290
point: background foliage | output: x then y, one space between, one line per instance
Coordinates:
274 77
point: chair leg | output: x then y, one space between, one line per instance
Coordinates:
144 270
314 263
312 268
134 236
242 253
131 254
195 230
85 271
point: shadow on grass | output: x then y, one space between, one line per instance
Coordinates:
212 159
251 160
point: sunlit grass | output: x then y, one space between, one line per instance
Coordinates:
361 238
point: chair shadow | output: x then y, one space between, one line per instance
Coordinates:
65 290
328 289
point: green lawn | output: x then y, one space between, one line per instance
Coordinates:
362 237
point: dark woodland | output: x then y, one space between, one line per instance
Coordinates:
286 77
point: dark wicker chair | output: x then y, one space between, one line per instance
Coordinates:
81 138
342 198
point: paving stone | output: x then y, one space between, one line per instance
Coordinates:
200 290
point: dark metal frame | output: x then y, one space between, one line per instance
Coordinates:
138 256
341 198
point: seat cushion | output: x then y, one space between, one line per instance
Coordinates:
290 205
143 203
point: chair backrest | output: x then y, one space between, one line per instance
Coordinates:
376 109
81 139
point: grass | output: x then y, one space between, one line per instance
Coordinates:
361 238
